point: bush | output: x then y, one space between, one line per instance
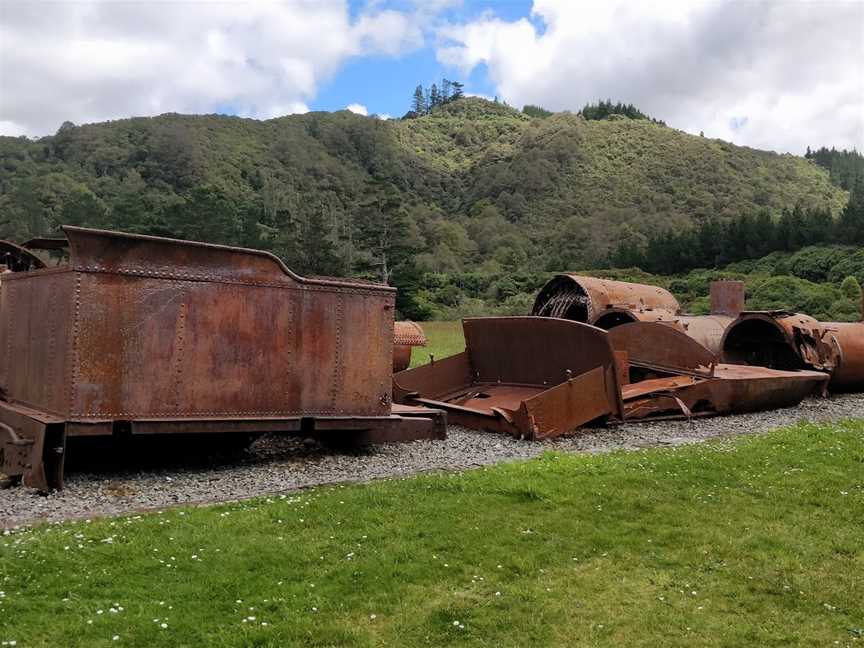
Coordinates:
853 265
795 294
813 263
851 289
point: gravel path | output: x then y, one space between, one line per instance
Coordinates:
275 464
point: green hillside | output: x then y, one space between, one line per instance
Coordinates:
472 186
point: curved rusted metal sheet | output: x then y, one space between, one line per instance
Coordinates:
609 318
707 330
160 335
662 347
849 373
17 258
583 299
406 335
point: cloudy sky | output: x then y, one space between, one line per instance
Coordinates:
778 75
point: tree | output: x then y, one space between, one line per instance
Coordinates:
446 90
418 103
850 226
83 208
457 90
536 111
318 254
434 97
206 215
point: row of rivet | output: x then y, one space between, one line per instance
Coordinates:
191 276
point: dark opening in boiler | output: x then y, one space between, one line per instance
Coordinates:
762 343
563 298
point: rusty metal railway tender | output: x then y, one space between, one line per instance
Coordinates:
139 335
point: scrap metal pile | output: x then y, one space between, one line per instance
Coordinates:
127 336
599 351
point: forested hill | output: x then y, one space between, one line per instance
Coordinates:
472 185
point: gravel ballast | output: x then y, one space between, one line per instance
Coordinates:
276 464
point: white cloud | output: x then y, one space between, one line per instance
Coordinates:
357 109
777 75
93 60
11 128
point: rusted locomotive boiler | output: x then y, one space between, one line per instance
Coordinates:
787 340
139 335
607 304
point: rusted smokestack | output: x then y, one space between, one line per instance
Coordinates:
727 297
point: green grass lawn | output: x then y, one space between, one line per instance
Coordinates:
757 541
444 339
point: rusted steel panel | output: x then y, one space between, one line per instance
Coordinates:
533 351
36 321
537 377
727 297
661 347
438 377
32 446
583 299
166 328
565 407
406 336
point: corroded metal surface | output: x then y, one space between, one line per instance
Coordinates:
707 330
785 340
849 374
608 304
727 297
673 375
731 390
661 347
525 376
406 336
154 334
537 377
583 299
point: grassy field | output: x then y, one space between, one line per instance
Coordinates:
444 339
755 542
